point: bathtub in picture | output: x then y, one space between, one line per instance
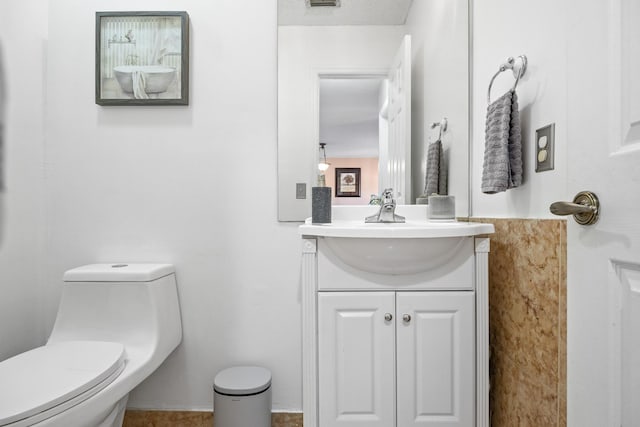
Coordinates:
157 78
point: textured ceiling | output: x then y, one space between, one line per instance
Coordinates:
351 12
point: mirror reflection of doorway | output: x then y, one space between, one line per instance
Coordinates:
354 129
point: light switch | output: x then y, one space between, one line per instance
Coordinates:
301 190
544 147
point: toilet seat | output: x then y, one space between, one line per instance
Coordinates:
48 380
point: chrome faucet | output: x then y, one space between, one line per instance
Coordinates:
387 212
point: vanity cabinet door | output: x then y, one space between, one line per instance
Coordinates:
356 359
435 359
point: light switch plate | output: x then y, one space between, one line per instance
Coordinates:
301 190
545 144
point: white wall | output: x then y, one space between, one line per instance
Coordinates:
303 53
503 28
440 86
21 226
194 186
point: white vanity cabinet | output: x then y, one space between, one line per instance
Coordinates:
395 329
396 358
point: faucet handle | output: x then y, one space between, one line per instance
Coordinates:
387 194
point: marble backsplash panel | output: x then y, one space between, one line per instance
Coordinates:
527 322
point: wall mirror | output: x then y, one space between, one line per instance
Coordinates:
367 79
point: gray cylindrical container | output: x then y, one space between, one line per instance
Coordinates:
242 397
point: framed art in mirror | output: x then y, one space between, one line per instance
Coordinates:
347 182
142 58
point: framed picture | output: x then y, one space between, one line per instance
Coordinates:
347 182
142 58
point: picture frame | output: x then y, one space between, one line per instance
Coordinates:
347 182
142 58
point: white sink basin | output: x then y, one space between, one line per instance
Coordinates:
414 246
348 221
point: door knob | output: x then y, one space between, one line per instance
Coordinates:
585 208
388 317
406 318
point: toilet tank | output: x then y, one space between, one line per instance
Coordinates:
134 304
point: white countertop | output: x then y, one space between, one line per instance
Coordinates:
348 221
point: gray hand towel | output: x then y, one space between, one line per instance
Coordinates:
502 168
436 177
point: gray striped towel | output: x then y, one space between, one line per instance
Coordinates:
436 178
502 168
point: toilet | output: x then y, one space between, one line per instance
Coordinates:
116 324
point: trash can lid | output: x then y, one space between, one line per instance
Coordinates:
242 380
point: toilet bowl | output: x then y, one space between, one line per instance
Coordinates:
116 324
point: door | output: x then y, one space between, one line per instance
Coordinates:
399 124
603 128
356 359
435 359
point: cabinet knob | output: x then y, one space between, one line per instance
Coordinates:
406 318
388 317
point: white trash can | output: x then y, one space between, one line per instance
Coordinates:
242 397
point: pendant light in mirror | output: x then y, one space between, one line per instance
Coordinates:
322 162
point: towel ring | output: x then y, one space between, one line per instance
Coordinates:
518 66
442 125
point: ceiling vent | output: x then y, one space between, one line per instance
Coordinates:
315 3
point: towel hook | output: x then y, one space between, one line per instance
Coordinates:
442 125
518 66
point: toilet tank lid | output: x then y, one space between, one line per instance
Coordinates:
118 272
